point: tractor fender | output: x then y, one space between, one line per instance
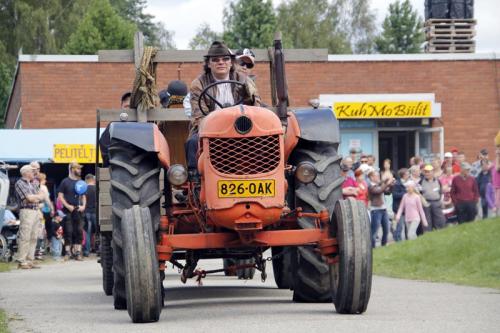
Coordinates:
317 125
146 136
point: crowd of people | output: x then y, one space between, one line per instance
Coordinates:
64 228
424 196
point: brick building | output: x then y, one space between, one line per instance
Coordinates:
462 90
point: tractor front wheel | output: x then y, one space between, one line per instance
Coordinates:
351 275
310 271
142 275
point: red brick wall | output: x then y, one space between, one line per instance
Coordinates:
65 95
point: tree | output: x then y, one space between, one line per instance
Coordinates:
203 38
6 73
101 28
359 25
313 24
164 39
402 30
249 23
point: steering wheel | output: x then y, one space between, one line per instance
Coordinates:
205 93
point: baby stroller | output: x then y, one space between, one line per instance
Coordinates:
8 231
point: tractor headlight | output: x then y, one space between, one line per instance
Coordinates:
177 174
305 172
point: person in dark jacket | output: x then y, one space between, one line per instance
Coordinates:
398 191
377 207
483 179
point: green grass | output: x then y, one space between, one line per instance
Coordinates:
3 322
467 254
5 267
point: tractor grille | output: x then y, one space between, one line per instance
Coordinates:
245 156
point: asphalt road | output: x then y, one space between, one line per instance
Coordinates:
67 297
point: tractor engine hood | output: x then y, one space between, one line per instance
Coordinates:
240 120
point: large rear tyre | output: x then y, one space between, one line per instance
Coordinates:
282 267
351 276
142 274
107 263
134 180
311 279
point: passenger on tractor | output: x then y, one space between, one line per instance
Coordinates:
219 65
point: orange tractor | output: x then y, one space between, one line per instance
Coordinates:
267 179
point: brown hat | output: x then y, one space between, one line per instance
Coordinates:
219 49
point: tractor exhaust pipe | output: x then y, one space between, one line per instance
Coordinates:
279 74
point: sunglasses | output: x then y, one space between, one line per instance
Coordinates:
218 59
246 64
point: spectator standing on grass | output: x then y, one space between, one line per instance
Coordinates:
477 165
386 174
436 164
495 174
349 186
90 211
411 207
29 199
432 192
362 186
378 210
446 180
74 206
483 179
398 191
465 194
416 176
454 161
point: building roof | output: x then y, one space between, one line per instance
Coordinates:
298 55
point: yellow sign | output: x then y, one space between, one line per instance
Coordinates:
384 110
67 153
246 188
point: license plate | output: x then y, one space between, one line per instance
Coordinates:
245 188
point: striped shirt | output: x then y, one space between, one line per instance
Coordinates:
23 189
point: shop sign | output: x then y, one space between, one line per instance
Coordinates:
67 153
382 110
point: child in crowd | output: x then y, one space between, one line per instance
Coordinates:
56 241
411 207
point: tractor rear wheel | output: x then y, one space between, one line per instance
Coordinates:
142 274
281 267
311 278
107 263
134 180
351 276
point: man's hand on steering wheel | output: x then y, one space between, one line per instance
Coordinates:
207 94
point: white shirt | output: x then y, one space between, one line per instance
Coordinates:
224 94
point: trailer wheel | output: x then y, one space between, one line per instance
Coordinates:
245 273
134 180
351 276
311 278
4 249
142 274
281 267
107 263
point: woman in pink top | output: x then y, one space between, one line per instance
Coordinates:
411 207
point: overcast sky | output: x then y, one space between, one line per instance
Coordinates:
185 16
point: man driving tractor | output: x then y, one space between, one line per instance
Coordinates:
218 66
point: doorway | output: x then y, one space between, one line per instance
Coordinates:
399 147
